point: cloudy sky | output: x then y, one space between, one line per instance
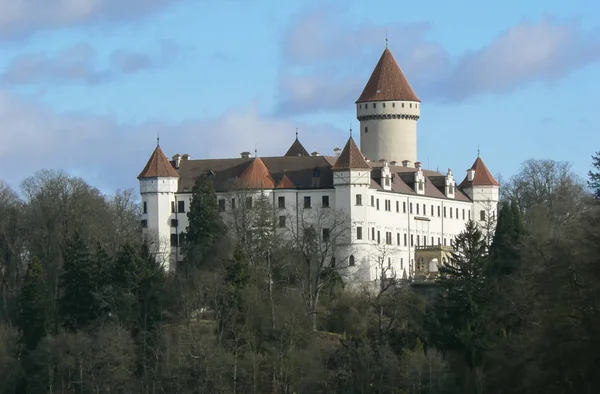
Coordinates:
86 85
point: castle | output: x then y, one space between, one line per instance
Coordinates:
399 215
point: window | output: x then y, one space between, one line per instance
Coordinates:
248 202
444 211
366 130
383 105
424 240
410 105
398 238
405 240
378 237
418 243
145 207
389 262
439 243
316 173
420 185
372 233
397 206
457 213
432 243
469 213
412 240
387 180
222 205
451 190
388 205
378 204
410 206
402 263
325 201
393 105
388 237
351 261
424 210
282 221
404 206
432 210
482 215
359 232
450 213
233 203
181 206
174 222
438 211
325 235
174 240
306 201
402 105
374 105
372 201
281 202
444 241
359 199
172 206
144 223
463 216
417 209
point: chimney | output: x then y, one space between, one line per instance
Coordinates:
337 151
418 165
245 155
470 174
382 160
185 156
177 160
315 154
393 162
406 163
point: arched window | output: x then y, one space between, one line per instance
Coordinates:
351 261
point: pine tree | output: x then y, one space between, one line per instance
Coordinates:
33 316
594 181
463 318
103 267
78 303
206 227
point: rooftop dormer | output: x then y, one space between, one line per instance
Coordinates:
419 179
386 177
450 184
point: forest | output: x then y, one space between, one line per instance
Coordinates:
86 308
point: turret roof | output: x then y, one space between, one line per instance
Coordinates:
158 166
257 176
285 183
351 158
387 82
483 176
297 149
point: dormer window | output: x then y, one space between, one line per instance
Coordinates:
316 173
387 180
420 185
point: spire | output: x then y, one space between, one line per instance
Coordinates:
158 165
387 82
386 39
351 158
257 176
482 176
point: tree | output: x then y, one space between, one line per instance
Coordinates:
463 321
205 225
594 175
78 303
33 317
504 251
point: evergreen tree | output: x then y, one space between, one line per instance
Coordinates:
103 267
32 318
504 250
206 227
594 181
78 302
463 319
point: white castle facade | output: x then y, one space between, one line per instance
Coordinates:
394 211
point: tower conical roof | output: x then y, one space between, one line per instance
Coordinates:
257 176
483 176
351 158
387 82
297 149
158 166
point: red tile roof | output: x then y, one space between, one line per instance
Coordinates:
158 166
297 149
387 82
285 183
351 158
257 176
483 176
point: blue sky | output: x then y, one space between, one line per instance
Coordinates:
86 85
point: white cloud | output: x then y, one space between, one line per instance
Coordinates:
112 153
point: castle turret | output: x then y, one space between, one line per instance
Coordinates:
483 190
158 185
388 110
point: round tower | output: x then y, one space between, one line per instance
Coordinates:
388 110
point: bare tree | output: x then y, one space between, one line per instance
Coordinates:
321 242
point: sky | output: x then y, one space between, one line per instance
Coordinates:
86 86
